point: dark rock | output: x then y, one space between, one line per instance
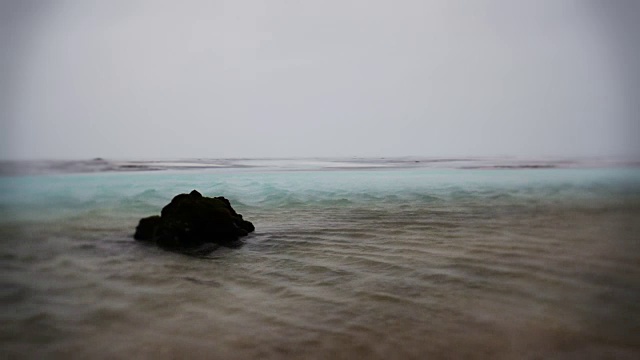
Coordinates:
147 228
191 220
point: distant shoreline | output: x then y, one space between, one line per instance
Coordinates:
43 167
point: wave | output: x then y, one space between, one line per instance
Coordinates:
56 196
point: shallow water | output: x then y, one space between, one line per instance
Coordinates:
384 262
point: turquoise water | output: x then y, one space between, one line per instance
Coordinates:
388 262
31 197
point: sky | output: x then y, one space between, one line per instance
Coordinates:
288 78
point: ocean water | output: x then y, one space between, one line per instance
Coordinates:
393 259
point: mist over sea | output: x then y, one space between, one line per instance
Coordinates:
396 258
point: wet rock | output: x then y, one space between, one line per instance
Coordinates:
147 228
191 220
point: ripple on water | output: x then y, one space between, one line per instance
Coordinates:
406 267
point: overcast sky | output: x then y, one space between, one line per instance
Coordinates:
158 79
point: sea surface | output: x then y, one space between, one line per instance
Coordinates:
404 258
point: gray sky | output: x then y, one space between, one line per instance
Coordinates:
153 79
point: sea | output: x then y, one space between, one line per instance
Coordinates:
352 258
